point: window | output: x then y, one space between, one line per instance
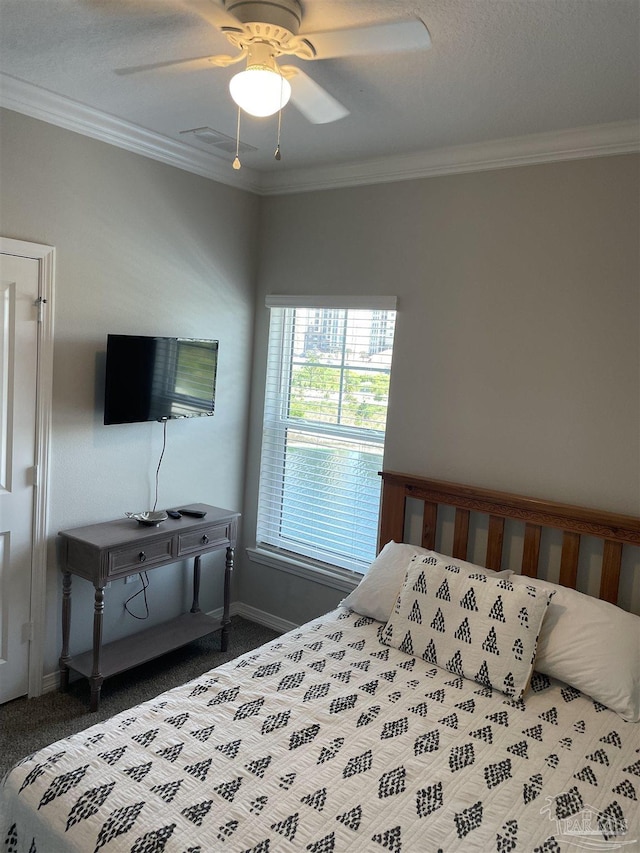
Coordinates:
324 425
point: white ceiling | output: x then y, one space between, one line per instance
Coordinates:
497 69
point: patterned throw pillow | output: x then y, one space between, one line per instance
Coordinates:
377 592
475 626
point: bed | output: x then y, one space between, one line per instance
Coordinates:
401 721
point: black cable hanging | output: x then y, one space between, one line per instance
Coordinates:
144 578
164 446
145 583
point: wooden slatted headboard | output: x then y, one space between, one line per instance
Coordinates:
574 521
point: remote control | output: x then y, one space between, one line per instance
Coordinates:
196 513
173 513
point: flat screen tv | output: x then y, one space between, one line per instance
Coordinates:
157 379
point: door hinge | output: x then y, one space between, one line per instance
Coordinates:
27 632
39 302
33 473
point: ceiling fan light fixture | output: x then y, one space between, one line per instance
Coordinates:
260 91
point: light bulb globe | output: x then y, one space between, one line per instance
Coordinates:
260 91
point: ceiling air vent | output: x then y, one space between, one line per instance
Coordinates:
217 140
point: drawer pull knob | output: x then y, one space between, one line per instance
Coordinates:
205 539
142 556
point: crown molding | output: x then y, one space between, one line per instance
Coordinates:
577 143
34 101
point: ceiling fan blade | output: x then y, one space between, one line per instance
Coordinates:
195 64
391 37
188 64
314 102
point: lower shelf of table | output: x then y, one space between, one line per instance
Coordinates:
152 643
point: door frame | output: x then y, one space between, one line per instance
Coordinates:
46 256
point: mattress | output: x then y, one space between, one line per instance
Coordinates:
327 740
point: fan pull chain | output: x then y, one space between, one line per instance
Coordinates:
277 154
236 163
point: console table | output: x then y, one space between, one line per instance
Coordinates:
114 550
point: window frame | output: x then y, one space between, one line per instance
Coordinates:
313 561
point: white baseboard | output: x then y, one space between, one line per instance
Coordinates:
261 617
51 680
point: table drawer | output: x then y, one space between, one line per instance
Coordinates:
139 556
214 536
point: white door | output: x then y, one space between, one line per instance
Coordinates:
19 284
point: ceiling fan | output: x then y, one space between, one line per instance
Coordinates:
265 30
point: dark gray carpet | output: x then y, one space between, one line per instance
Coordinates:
27 725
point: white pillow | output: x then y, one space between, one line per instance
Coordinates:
376 593
592 645
476 626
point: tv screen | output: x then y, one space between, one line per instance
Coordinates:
156 379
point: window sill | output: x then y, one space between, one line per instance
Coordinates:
331 576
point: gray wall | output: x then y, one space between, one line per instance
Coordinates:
517 358
141 248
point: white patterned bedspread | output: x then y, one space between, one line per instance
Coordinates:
325 740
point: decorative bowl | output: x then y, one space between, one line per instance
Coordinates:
151 519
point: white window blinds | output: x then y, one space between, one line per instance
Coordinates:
325 415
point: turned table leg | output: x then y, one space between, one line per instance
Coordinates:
97 678
226 621
195 607
66 628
